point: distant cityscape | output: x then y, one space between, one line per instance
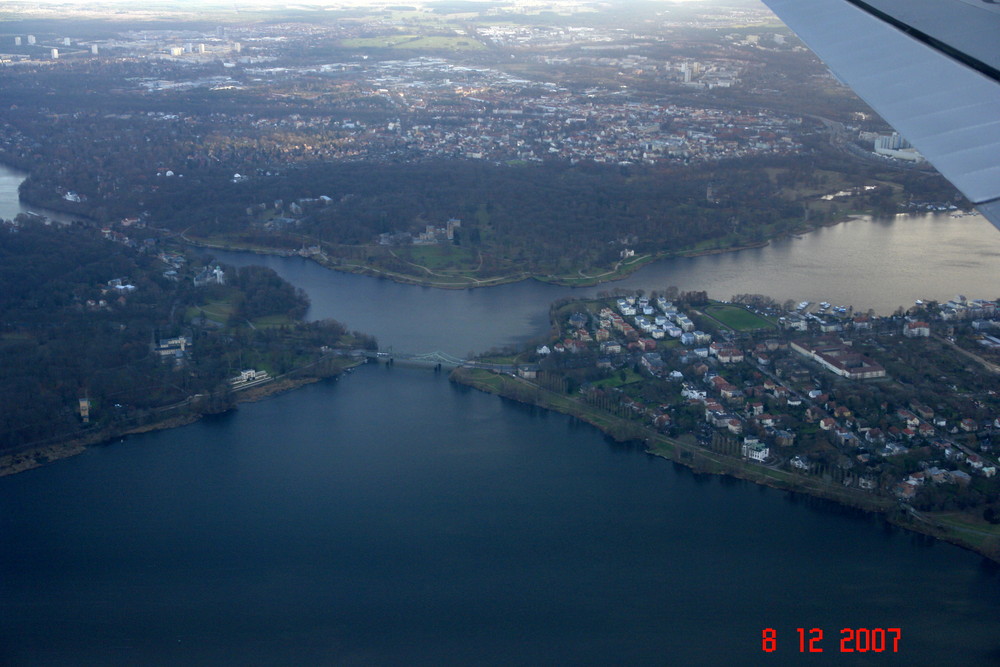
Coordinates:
428 106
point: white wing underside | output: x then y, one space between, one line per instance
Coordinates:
929 67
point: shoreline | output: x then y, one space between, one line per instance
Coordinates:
621 271
561 281
33 457
705 461
47 211
470 283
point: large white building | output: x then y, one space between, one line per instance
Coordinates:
754 450
895 146
838 358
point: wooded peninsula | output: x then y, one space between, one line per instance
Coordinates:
101 338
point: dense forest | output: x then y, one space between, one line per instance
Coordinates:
537 215
81 318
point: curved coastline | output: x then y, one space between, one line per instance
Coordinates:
619 273
701 460
34 456
698 459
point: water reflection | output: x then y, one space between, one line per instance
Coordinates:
880 264
10 204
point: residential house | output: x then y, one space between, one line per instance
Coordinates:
917 330
784 438
730 355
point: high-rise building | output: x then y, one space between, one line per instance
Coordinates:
55 54
31 39
17 41
892 142
93 49
66 41
895 146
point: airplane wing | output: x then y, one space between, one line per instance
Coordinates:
931 68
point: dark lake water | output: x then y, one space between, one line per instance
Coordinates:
392 518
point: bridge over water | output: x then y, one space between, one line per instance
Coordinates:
436 359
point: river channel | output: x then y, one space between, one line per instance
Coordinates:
392 518
868 264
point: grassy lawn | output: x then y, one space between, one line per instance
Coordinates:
450 42
507 360
593 275
962 522
441 256
218 311
709 244
615 380
737 318
688 439
429 42
380 42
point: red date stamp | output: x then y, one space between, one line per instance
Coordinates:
852 640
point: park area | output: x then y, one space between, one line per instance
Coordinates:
737 318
